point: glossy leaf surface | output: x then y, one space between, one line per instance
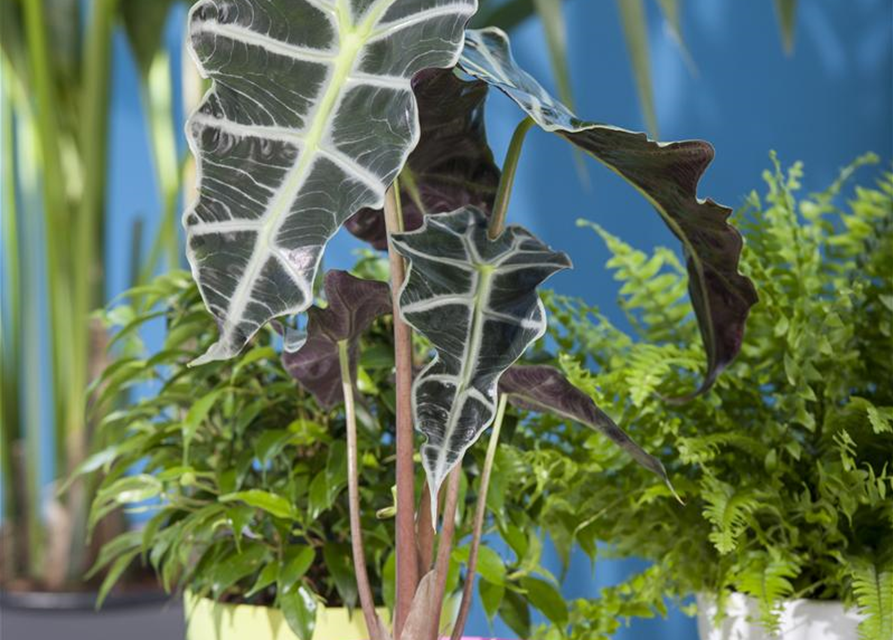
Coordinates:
310 118
666 174
475 300
451 167
353 306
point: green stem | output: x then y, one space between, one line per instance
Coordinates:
480 515
56 214
353 492
10 336
509 169
158 100
86 268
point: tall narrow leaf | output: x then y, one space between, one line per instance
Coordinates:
667 174
787 21
475 300
635 30
310 118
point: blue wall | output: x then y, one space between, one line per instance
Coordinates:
826 104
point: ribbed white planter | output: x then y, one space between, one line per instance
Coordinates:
800 620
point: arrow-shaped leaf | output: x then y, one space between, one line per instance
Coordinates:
451 167
475 300
544 389
310 118
353 305
667 174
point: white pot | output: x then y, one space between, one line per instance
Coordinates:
799 620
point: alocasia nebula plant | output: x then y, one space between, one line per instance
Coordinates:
324 112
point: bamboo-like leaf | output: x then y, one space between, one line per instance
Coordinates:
667 174
787 21
544 389
353 305
475 300
310 117
144 22
451 167
552 17
635 30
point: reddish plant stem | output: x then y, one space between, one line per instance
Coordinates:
445 548
425 532
479 516
407 551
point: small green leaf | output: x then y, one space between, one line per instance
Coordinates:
265 578
545 597
515 612
491 566
491 597
299 609
230 570
117 569
340 565
336 471
194 417
318 499
297 561
269 502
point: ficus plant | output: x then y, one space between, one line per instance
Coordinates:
323 113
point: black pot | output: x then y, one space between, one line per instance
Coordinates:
147 615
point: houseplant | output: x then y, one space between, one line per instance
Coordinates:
311 118
241 483
785 467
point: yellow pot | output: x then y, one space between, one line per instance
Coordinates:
207 619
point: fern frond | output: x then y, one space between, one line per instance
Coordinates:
768 579
873 588
703 449
728 511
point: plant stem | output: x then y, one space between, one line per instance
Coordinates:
425 531
86 264
445 548
407 551
509 169
56 224
10 336
479 516
353 492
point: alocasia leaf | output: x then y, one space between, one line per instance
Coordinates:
475 300
544 389
452 166
310 118
353 306
667 174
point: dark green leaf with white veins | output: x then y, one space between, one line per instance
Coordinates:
667 174
310 118
475 300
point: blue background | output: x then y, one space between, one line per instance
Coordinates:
827 103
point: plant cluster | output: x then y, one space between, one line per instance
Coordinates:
786 468
323 113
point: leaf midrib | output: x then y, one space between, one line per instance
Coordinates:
352 39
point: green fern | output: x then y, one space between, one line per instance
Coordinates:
767 578
873 589
728 511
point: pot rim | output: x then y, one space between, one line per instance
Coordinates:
85 601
